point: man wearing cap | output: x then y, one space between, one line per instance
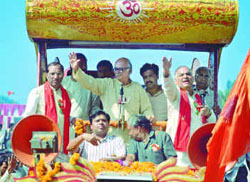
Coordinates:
147 144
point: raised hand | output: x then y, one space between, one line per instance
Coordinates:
166 66
74 62
12 162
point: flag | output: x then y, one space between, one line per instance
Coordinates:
231 134
10 93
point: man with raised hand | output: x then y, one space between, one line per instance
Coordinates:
83 102
185 113
121 97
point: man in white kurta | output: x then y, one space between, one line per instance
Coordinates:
36 99
183 80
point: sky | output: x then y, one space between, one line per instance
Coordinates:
18 67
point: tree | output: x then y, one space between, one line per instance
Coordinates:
224 94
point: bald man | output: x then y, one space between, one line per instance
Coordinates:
134 96
185 114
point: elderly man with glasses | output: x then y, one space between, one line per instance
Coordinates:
202 80
121 97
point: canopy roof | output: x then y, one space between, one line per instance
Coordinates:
174 24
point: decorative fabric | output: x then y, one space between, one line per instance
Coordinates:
184 122
50 110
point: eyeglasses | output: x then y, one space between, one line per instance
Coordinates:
121 69
201 76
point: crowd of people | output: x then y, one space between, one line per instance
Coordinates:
184 101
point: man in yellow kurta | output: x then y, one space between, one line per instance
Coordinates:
134 96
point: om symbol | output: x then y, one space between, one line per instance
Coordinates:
128 9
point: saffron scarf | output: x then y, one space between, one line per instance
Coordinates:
50 110
184 123
199 101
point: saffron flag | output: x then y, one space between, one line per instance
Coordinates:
10 93
231 134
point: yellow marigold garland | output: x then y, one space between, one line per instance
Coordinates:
74 158
135 167
80 126
43 174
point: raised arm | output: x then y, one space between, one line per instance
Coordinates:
168 85
74 62
166 66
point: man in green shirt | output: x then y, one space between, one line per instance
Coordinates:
147 144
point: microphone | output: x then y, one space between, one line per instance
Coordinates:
121 91
203 95
121 108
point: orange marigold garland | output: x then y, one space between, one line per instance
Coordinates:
80 126
74 158
43 173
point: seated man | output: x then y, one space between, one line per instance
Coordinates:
99 146
147 144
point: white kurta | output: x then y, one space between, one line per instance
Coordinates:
36 105
173 95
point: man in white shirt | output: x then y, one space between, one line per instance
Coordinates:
185 114
150 75
98 146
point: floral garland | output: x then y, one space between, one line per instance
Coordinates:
74 158
61 105
80 126
41 171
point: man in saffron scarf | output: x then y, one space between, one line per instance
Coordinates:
52 100
185 110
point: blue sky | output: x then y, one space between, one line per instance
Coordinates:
18 60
